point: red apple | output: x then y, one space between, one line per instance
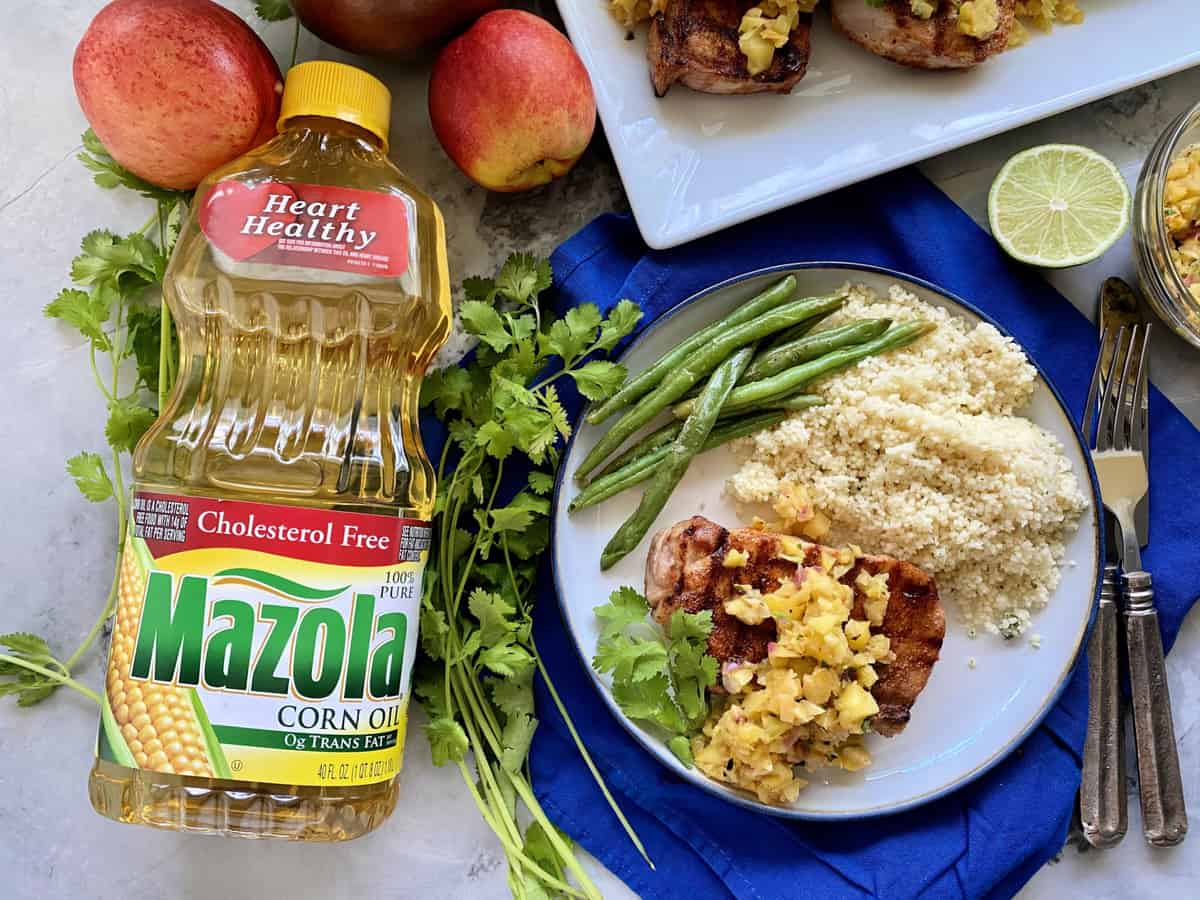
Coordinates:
399 28
175 88
511 102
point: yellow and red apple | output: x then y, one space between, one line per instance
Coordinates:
511 102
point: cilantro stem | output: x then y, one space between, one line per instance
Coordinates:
295 42
149 223
53 676
587 758
514 850
96 626
96 374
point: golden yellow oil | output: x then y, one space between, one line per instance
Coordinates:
295 386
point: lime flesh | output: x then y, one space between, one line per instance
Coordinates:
1058 205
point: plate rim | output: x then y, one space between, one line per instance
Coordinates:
732 795
661 236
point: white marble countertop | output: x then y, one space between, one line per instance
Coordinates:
57 557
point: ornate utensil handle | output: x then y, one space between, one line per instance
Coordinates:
1103 801
1164 815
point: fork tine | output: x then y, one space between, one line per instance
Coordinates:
1093 396
1123 424
1108 397
1140 396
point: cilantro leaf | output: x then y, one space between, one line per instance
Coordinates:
537 847
598 379
496 439
657 679
87 469
127 422
447 740
273 10
541 482
106 258
621 321
630 659
505 659
145 338
108 173
574 333
445 390
480 290
485 323
85 311
27 645
492 611
433 632
516 738
514 696
29 687
625 607
523 277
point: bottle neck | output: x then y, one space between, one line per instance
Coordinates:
328 127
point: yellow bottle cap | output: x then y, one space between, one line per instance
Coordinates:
338 91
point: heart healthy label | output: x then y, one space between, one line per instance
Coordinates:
261 642
309 225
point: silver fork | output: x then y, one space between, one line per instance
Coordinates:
1121 470
1103 801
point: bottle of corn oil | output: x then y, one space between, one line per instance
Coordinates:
266 621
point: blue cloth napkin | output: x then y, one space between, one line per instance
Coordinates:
984 840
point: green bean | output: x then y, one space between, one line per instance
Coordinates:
655 440
679 455
639 469
812 346
649 378
802 350
796 332
690 370
795 402
667 433
759 393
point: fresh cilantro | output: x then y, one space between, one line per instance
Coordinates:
599 378
447 740
114 304
108 173
273 10
127 422
523 277
658 678
85 312
30 672
87 469
502 410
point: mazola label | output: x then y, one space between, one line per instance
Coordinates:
264 643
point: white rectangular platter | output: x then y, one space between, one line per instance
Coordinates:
694 163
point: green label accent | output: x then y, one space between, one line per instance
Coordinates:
296 740
281 584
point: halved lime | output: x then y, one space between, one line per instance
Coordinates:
1058 205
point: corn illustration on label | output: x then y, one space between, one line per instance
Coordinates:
264 643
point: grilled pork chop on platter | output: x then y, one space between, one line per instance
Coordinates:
695 42
893 32
685 570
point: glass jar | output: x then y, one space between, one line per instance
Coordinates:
1161 281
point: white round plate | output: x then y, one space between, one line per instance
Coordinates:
967 719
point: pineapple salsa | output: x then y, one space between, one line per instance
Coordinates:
808 704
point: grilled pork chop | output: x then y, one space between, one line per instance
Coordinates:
684 571
893 32
696 42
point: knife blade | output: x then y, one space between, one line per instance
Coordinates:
1119 305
